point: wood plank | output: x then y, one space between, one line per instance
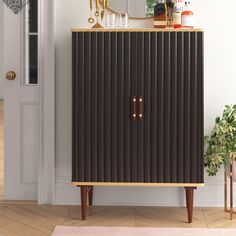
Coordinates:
24 219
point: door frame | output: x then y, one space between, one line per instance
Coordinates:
46 74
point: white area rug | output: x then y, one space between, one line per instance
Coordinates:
123 231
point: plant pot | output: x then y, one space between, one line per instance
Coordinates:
227 167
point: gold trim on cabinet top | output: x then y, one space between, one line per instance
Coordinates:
137 30
139 184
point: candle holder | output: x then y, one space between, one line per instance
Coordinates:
231 209
98 13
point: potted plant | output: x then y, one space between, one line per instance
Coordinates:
221 144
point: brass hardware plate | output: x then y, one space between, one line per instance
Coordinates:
11 75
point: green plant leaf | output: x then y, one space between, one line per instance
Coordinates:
221 144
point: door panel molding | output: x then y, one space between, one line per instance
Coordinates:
29 140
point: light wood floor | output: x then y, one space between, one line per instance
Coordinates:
1 149
30 219
34 220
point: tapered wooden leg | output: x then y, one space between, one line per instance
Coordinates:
84 196
91 196
189 202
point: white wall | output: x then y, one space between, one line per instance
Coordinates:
220 85
1 49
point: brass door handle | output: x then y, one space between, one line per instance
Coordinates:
134 115
10 75
141 108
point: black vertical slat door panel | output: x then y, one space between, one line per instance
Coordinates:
140 93
167 96
187 104
74 111
159 106
87 105
101 108
94 107
180 107
200 107
193 107
113 104
80 109
176 107
74 117
173 108
107 108
134 123
153 111
120 107
127 107
147 107
166 70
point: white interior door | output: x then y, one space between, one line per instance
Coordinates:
21 113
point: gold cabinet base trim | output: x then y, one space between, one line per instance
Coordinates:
139 184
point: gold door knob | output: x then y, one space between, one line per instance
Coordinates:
11 75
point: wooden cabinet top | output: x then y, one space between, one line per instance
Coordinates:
137 30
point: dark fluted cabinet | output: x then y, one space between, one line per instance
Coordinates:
137 110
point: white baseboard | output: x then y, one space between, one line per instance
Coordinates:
212 195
